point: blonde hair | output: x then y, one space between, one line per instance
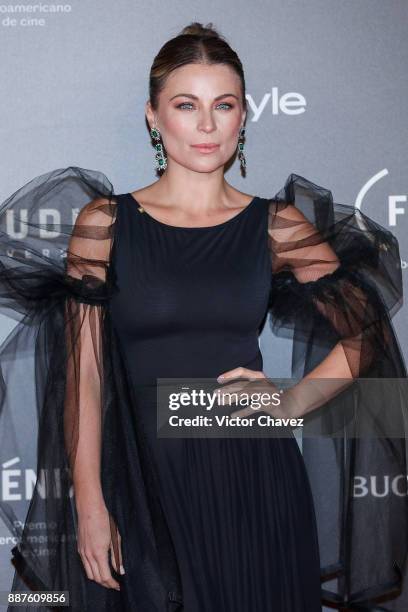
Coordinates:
195 44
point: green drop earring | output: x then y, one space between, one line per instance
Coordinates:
161 159
241 155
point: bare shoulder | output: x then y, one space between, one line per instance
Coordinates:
239 199
147 194
99 211
287 210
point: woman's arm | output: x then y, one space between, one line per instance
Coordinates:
352 313
303 397
88 258
82 425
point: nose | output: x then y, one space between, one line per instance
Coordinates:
206 122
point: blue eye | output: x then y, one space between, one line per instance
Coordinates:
183 104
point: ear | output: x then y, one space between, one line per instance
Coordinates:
149 114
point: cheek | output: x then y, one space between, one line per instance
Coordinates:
178 138
229 131
178 125
233 122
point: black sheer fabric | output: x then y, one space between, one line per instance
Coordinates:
335 284
55 280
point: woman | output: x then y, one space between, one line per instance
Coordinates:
174 280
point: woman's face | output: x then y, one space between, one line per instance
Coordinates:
199 104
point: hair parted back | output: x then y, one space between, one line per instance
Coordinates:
195 44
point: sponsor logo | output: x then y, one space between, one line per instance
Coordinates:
289 103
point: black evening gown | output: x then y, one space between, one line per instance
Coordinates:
103 293
240 511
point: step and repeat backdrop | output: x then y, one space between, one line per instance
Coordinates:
326 92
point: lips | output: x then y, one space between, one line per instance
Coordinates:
206 146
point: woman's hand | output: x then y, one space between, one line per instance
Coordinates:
258 383
95 544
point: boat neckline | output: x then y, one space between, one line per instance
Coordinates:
182 227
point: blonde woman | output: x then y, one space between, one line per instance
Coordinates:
175 280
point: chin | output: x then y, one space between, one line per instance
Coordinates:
206 167
203 165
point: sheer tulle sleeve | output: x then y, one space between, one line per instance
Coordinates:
336 284
61 366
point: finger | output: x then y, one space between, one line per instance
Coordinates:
243 412
87 567
237 388
226 400
105 574
112 557
256 374
230 374
240 372
228 394
116 547
116 552
121 568
229 388
95 570
114 543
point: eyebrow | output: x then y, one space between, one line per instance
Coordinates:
196 97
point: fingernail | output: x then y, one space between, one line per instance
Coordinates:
122 569
220 378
